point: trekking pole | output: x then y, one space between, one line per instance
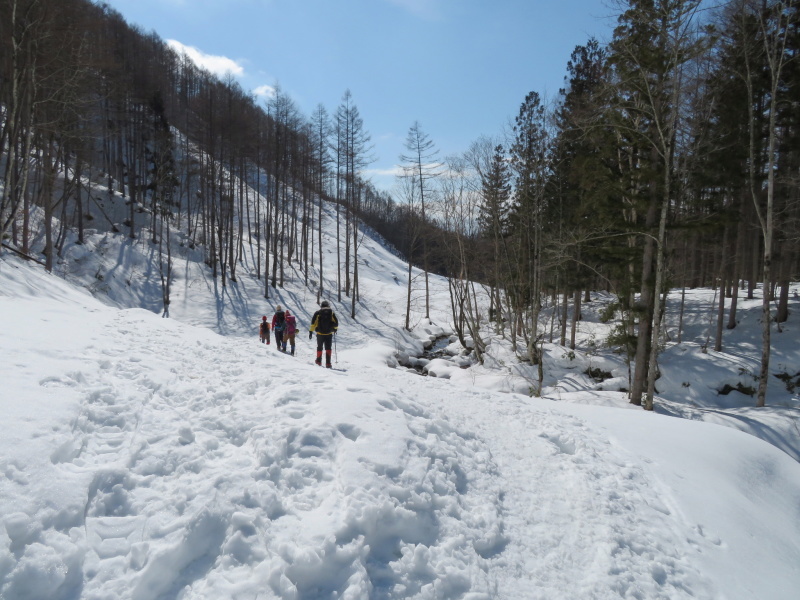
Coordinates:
335 349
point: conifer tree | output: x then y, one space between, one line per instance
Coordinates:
530 165
584 182
653 42
493 220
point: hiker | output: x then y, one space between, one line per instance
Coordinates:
289 332
263 330
278 327
324 324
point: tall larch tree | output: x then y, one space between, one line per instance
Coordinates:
420 162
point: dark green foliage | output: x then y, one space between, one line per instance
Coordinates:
495 196
609 312
621 339
792 382
597 374
747 390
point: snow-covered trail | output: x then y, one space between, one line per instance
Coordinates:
202 466
577 511
153 460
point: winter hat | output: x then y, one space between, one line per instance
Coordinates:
264 318
278 307
288 313
324 304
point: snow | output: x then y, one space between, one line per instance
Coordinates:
148 458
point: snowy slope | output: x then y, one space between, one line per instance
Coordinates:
151 458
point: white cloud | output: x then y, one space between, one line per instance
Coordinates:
218 65
264 91
390 172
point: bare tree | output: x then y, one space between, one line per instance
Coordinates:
320 133
460 206
420 162
354 150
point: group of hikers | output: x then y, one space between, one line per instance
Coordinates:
284 325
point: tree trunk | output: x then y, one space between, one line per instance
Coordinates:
645 309
782 314
576 316
722 287
408 300
658 311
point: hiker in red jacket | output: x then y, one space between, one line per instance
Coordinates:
263 330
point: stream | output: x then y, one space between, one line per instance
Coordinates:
437 349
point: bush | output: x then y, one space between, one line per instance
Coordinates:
608 313
792 382
620 338
747 390
598 374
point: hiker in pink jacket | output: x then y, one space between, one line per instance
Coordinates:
290 331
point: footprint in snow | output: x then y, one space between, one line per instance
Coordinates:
350 431
563 446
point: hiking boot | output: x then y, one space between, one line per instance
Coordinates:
328 366
318 362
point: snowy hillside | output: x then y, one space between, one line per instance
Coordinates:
151 458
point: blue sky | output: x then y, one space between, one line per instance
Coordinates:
459 67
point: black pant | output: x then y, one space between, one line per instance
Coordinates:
324 342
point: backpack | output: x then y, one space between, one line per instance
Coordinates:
324 321
280 321
291 324
264 329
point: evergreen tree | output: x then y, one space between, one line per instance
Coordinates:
530 165
653 43
584 185
493 221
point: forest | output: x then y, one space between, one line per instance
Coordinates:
669 160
